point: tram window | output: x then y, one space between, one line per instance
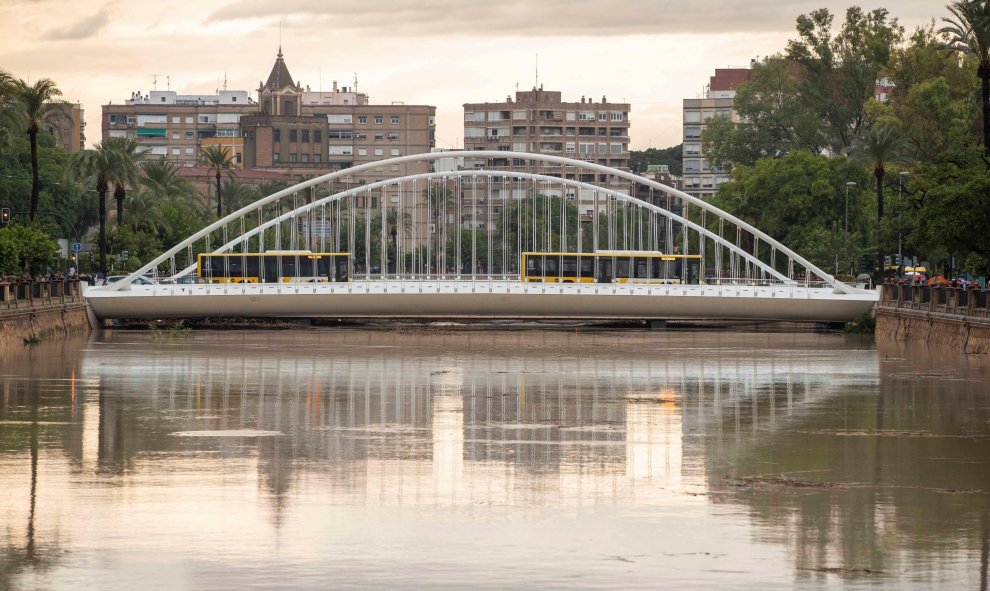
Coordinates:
288 266
341 269
642 267
551 265
587 266
534 266
323 266
657 265
215 265
251 264
234 266
570 267
271 268
622 268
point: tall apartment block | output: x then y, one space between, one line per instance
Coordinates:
539 121
701 178
175 127
67 126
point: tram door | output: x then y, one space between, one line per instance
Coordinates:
605 274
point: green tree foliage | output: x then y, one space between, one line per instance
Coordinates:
672 157
814 95
35 104
127 156
799 199
26 250
968 30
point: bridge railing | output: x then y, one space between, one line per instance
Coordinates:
958 301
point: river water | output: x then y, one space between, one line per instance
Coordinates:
317 458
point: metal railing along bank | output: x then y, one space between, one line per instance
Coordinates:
957 301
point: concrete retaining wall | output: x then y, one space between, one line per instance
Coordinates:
40 309
931 318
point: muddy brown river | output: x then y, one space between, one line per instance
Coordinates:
492 459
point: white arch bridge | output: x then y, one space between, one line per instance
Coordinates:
554 238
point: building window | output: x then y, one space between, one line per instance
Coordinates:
293 135
175 135
305 158
362 151
293 157
305 136
379 119
395 120
379 152
615 148
316 157
379 136
393 136
692 116
396 152
318 137
189 151
362 120
602 148
189 135
603 116
189 120
616 116
175 151
176 120
287 110
275 157
276 135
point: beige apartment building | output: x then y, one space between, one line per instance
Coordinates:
539 121
701 177
175 127
67 126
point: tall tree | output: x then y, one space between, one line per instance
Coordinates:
162 179
877 147
127 156
97 166
35 104
838 74
217 159
969 32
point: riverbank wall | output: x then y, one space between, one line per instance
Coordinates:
948 318
37 310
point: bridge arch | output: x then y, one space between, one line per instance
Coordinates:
756 249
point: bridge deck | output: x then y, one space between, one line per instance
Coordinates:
448 299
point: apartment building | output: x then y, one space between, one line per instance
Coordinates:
67 126
176 126
701 177
539 121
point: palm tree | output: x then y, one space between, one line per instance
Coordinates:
36 104
98 166
969 32
162 179
878 146
218 159
238 194
127 156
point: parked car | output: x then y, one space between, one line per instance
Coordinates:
140 280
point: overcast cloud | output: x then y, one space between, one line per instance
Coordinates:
84 28
474 18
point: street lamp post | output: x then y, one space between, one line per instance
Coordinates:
901 177
848 184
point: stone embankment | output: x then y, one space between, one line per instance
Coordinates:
946 317
34 310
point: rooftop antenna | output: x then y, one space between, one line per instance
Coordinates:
225 78
154 81
355 83
537 85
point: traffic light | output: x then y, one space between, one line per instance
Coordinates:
5 216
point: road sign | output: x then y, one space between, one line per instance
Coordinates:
77 246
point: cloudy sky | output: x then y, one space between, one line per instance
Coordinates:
652 53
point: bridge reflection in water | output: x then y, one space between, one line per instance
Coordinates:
350 436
